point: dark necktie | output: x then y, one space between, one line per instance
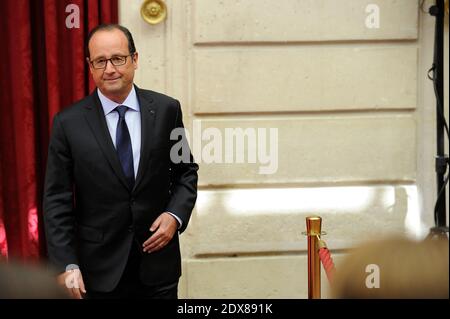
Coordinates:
123 146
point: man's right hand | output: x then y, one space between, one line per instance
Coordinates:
72 280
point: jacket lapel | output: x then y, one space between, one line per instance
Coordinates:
96 118
148 115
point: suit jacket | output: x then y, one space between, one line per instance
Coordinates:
91 215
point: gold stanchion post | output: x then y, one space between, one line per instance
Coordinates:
313 230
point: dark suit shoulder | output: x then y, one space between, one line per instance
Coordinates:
159 98
75 110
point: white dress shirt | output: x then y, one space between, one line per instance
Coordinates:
133 120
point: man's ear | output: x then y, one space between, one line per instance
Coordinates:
135 60
90 65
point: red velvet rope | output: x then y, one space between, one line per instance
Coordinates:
327 263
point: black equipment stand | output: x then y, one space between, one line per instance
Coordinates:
440 229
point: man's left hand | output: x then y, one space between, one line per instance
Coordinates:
165 226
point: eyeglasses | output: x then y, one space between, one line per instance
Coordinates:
116 60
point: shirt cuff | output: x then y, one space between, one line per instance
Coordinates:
71 267
180 223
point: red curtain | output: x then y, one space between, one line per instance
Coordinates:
42 70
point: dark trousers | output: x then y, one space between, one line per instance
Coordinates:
131 287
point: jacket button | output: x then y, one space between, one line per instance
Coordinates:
130 229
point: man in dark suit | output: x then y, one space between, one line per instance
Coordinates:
115 196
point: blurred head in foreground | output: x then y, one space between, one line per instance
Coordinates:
24 281
395 268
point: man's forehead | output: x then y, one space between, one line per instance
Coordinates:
108 37
108 42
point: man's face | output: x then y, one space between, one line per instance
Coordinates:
113 81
